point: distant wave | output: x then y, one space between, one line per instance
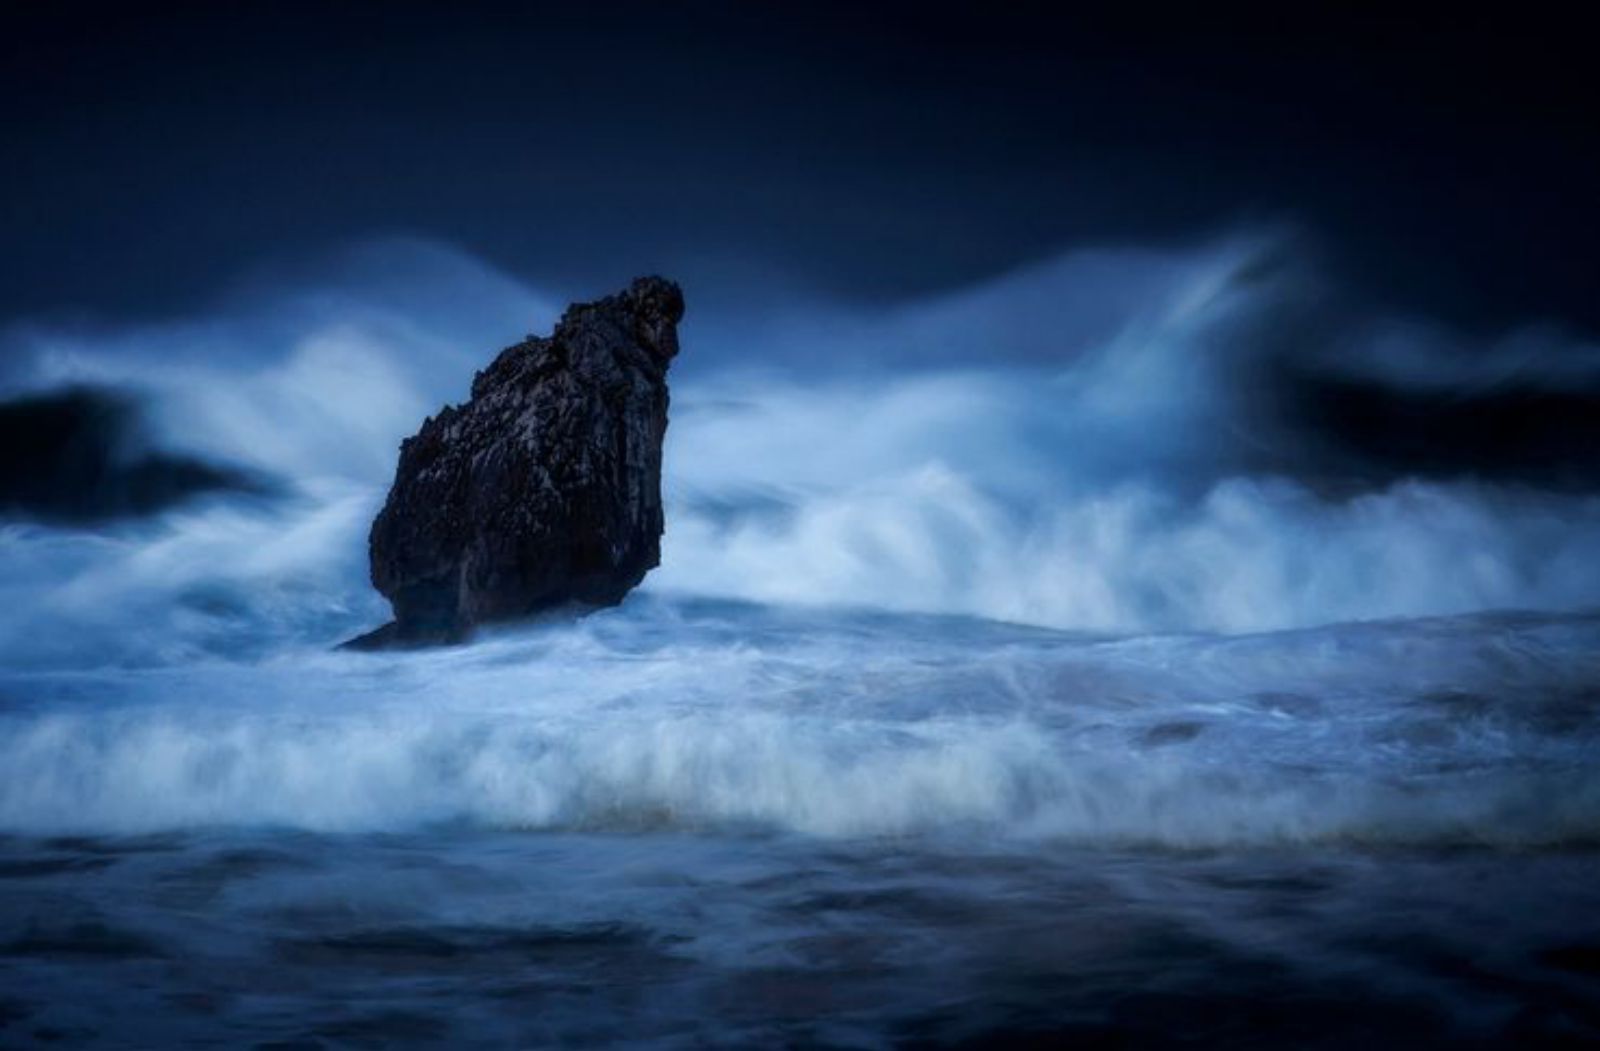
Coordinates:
1248 554
1110 441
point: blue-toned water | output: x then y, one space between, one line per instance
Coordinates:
689 823
983 702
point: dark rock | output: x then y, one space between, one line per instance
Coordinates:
80 456
542 492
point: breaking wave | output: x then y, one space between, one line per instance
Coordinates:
872 614
725 717
1109 442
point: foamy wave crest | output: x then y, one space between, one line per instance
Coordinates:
1466 730
1102 442
735 771
1249 555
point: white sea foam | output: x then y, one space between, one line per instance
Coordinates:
1453 731
1104 478
1248 555
171 673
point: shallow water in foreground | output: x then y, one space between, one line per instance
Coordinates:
527 939
686 823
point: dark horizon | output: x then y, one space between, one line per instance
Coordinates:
1440 166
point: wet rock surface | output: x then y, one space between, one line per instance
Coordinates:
542 492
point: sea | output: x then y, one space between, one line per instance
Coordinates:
983 702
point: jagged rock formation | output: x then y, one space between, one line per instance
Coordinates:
543 491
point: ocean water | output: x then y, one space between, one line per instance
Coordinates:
683 823
1015 699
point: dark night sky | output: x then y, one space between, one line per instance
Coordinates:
1446 164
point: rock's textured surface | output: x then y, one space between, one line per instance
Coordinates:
543 491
